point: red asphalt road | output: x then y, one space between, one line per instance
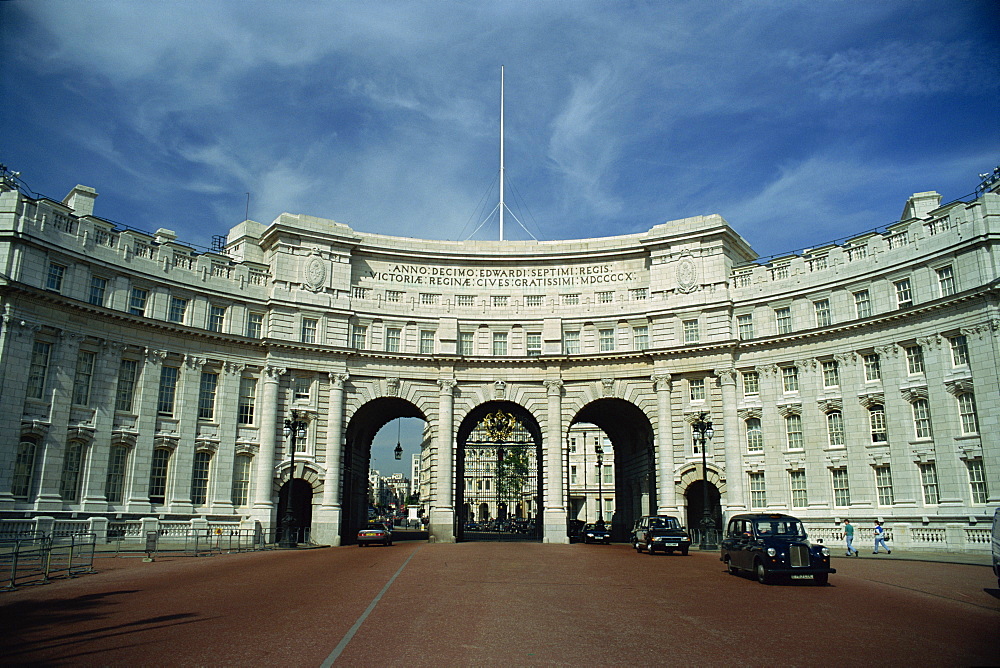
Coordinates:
493 604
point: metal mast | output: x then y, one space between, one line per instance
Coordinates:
501 153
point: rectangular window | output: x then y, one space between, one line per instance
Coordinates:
137 301
360 293
69 483
426 342
640 337
797 483
790 378
98 290
914 360
216 316
241 480
692 333
959 350
167 391
967 413
533 344
392 338
793 431
206 395
466 300
841 488
358 335
199 478
572 475
301 388
499 301
84 377
922 418
823 317
158 475
751 383
783 320
873 367
255 325
499 344
395 296
178 307
946 281
570 300
532 300
977 480
904 297
571 342
758 493
609 473
639 294
114 483
697 389
605 297
744 326
41 352
54 280
309 328
247 401
466 343
606 339
862 304
779 272
929 483
128 373
831 374
883 485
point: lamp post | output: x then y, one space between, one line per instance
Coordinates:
295 428
600 482
702 435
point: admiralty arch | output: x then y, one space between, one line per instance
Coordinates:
146 381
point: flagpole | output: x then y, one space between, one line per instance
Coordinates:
501 153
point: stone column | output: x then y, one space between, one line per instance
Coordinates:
442 519
102 397
140 456
264 466
326 524
554 516
63 369
16 342
666 493
734 499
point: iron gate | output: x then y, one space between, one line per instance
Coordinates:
498 482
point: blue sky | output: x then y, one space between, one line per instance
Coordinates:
799 122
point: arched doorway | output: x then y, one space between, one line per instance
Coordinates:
695 495
498 474
302 497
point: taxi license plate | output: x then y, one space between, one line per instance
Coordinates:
802 577
670 544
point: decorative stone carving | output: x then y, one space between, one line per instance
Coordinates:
661 381
912 394
958 386
687 275
827 405
314 271
499 389
447 385
155 356
789 409
748 413
273 372
553 386
338 378
891 350
608 387
392 386
195 362
872 399
930 342
726 376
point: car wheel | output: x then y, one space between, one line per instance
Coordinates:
732 568
638 547
821 579
361 544
763 576
650 549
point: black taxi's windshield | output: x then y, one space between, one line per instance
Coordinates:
780 528
663 523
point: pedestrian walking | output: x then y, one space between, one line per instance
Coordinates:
880 538
849 537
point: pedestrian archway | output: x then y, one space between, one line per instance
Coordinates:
301 493
695 494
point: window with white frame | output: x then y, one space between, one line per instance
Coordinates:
499 344
790 379
395 297
640 337
605 297
570 300
783 320
206 395
797 483
98 290
301 388
573 475
751 383
199 477
177 310
428 299
247 400
977 480
639 294
216 317
158 471
831 373
128 374
921 418
606 339
876 422
571 342
883 485
24 468
255 325
69 482
427 342
532 301
692 333
822 309
755 437
793 431
780 272
873 367
241 480
41 353
744 326
359 333
696 386
533 344
499 301
946 281
959 350
114 481
841 488
466 343
167 390
929 482
83 380
360 293
137 301
758 491
309 328
392 339
862 304
967 413
904 296
54 279
914 360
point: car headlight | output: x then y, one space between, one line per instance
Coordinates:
825 551
771 552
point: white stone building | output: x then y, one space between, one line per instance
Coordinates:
144 379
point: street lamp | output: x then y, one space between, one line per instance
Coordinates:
399 448
295 428
600 482
702 435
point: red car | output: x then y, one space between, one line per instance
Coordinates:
374 532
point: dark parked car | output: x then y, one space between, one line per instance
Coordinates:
662 533
374 532
772 545
595 533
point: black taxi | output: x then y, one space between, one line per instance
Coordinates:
772 545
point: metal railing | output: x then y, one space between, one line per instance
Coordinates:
38 559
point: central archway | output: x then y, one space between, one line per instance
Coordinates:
498 481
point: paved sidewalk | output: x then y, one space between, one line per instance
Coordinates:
972 559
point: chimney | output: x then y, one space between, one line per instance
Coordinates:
81 200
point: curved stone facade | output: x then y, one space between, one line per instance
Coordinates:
855 380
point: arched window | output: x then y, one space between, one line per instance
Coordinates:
241 480
114 484
835 428
69 484
876 419
199 477
755 438
158 475
24 468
